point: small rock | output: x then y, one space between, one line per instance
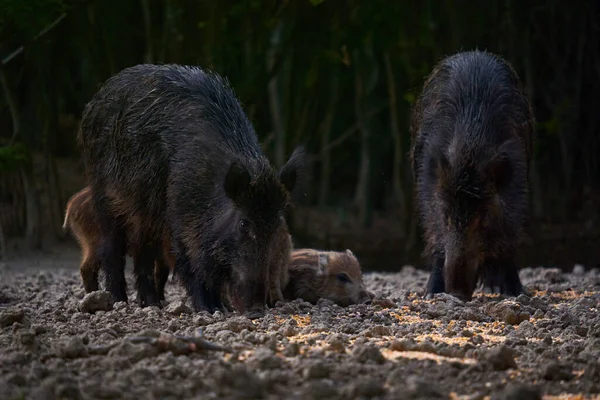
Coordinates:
178 307
9 317
477 339
336 343
96 301
556 372
377 331
524 316
538 314
264 358
319 389
466 333
579 270
27 337
237 324
402 345
581 330
368 354
291 350
316 370
383 302
500 358
16 379
73 348
420 388
366 388
519 392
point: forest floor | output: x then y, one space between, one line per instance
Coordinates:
53 345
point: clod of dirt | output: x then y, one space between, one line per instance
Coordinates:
518 392
503 312
9 317
73 348
316 370
418 388
365 388
264 358
239 380
96 301
556 372
336 343
383 302
402 345
178 307
500 358
368 354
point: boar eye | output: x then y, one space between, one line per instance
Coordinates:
244 227
343 278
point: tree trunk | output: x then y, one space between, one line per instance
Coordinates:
2 241
149 54
275 98
362 195
12 105
55 201
397 184
33 233
325 131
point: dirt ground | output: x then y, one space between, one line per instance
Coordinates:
56 344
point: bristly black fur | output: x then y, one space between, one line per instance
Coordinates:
472 132
158 143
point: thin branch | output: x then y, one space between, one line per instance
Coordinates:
18 51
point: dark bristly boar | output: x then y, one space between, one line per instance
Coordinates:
82 223
170 146
332 275
472 132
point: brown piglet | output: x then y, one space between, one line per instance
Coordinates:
81 221
332 275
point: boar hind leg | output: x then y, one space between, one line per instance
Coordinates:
502 276
112 254
435 284
161 276
143 269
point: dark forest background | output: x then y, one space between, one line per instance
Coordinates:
339 76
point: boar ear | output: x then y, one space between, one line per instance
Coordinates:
289 172
349 253
236 181
323 261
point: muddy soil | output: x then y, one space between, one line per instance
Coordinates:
57 343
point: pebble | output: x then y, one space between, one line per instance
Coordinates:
578 270
9 317
500 358
556 372
315 370
73 348
367 354
178 307
96 301
519 392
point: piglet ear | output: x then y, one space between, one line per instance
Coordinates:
349 253
323 261
290 171
236 181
